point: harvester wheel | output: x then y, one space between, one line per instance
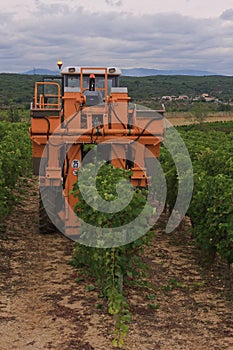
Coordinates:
45 224
48 217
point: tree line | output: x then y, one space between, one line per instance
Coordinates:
17 89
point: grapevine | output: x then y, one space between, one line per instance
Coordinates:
15 161
211 208
111 267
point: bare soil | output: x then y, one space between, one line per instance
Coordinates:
42 307
178 120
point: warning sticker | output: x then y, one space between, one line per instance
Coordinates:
75 164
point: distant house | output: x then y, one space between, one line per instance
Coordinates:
167 98
204 95
208 98
182 97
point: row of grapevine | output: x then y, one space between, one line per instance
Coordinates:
114 267
224 126
210 211
211 208
15 161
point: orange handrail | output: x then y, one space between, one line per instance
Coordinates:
40 99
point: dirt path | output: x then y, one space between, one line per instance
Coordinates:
42 307
178 120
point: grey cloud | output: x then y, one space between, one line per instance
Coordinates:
52 9
227 15
166 41
114 2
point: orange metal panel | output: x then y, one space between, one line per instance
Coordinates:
37 150
45 125
118 156
74 153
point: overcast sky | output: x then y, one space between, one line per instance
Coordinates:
160 34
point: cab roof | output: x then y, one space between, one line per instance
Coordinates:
91 70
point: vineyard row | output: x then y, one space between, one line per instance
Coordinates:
15 161
211 207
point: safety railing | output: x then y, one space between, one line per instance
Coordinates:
47 95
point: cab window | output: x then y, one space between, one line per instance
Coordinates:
73 81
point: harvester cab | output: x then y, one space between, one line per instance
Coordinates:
83 106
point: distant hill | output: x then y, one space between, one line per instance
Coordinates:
143 72
40 71
135 72
17 89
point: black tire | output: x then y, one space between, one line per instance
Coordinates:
48 218
45 224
